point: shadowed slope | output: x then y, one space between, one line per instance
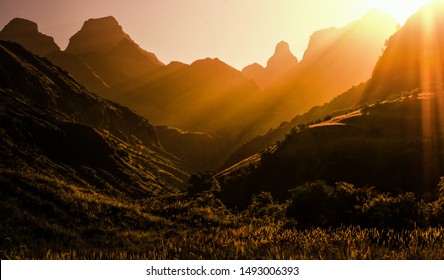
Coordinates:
382 146
52 125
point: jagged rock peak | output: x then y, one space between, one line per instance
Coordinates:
97 35
282 47
282 56
282 60
26 33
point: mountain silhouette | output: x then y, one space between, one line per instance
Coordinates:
385 132
75 135
207 96
26 33
333 62
102 55
280 63
103 58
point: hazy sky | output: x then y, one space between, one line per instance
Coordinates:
238 32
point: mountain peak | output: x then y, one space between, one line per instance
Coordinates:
282 58
26 33
278 64
20 25
97 35
282 47
104 24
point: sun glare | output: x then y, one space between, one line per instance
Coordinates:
401 10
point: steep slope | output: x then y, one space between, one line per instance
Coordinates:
51 125
280 63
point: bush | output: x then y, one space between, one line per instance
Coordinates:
264 206
434 211
318 204
199 183
384 211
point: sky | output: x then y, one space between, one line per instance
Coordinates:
239 32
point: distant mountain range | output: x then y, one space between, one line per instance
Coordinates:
209 96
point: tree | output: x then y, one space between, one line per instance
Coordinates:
200 182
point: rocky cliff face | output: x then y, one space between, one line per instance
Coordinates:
26 33
109 52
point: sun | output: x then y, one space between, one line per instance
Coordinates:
401 10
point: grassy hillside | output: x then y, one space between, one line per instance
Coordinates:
186 227
395 146
64 149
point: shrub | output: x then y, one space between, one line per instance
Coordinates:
318 204
434 211
199 183
264 206
385 211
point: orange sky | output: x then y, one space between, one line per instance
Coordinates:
238 32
